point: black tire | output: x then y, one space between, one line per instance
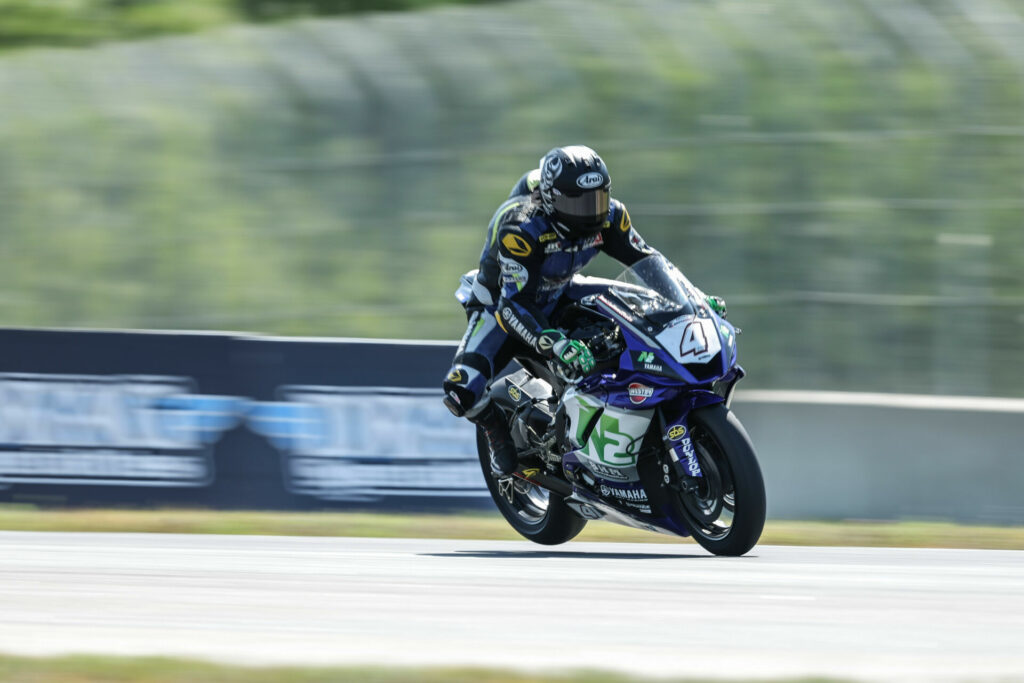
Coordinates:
537 514
726 516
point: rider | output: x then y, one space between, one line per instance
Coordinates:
556 219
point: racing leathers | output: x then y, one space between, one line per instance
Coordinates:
527 272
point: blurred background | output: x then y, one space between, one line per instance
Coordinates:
849 175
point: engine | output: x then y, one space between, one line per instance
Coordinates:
537 420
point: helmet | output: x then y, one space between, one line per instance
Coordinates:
574 185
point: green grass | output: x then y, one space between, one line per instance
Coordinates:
483 526
76 23
83 669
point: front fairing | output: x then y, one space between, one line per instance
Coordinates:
673 338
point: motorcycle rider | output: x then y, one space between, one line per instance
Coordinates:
556 219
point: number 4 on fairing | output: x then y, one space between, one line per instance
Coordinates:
694 342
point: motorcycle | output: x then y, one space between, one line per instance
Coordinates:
646 439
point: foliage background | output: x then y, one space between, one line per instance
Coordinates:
849 174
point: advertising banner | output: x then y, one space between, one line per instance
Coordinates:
229 420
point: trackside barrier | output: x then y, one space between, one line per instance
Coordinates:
242 421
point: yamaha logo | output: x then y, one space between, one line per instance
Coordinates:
588 181
638 393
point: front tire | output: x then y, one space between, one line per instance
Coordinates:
536 513
725 511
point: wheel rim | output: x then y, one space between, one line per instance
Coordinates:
710 508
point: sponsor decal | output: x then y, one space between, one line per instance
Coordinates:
514 393
567 247
676 432
547 340
513 273
638 393
456 376
631 495
637 241
586 511
120 430
622 313
520 329
645 360
640 507
516 245
608 472
625 224
548 236
589 181
531 472
692 465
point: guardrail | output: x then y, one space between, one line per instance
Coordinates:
228 420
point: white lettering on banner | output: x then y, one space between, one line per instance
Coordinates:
134 430
16 467
372 441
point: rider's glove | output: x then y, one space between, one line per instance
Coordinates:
575 355
717 304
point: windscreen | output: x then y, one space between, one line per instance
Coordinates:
654 285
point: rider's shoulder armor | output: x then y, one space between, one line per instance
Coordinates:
513 213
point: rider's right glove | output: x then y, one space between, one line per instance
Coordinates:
717 304
575 355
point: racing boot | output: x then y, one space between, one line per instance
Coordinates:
499 441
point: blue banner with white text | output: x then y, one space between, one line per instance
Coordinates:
220 420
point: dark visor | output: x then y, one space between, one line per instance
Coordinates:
592 204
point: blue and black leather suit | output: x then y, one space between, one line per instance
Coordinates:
527 271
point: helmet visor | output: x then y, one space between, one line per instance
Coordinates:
589 207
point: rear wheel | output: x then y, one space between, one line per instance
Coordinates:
724 508
535 512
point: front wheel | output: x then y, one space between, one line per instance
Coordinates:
535 512
724 508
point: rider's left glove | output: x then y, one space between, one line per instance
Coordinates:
717 305
575 355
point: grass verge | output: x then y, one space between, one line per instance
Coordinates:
488 526
91 669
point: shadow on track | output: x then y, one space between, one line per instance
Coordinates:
553 554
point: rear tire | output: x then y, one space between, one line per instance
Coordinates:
732 488
536 513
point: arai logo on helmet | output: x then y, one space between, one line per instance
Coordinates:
589 181
638 393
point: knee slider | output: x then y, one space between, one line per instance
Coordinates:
462 388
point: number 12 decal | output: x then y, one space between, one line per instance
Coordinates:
694 342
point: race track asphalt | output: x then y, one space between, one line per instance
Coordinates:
661 610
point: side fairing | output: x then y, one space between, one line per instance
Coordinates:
610 450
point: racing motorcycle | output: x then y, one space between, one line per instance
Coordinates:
646 439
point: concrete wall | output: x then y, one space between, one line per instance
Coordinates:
884 456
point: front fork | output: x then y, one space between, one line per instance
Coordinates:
675 428
675 434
